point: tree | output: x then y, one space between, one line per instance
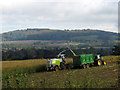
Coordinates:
116 50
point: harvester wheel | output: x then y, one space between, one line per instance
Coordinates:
99 63
56 68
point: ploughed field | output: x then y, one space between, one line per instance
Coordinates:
32 74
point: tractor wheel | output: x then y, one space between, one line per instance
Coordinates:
56 68
104 63
99 62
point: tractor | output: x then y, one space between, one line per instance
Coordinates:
82 61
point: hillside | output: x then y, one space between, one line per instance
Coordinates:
47 38
69 35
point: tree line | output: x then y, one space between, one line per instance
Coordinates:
33 53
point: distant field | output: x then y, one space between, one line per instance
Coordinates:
25 41
50 43
32 74
32 43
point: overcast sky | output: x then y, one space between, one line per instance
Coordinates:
59 14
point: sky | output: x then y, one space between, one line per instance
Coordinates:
59 14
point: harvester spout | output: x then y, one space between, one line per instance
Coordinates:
72 52
65 51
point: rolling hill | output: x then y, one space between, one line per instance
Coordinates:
61 35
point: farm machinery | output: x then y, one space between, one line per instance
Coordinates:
82 61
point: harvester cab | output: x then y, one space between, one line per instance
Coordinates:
56 63
62 56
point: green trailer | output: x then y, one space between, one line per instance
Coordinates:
86 60
83 59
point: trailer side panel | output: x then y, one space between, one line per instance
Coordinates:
83 59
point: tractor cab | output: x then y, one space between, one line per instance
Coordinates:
98 56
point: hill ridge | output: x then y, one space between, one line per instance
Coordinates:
57 34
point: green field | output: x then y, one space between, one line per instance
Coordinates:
32 74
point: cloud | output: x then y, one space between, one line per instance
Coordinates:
99 14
